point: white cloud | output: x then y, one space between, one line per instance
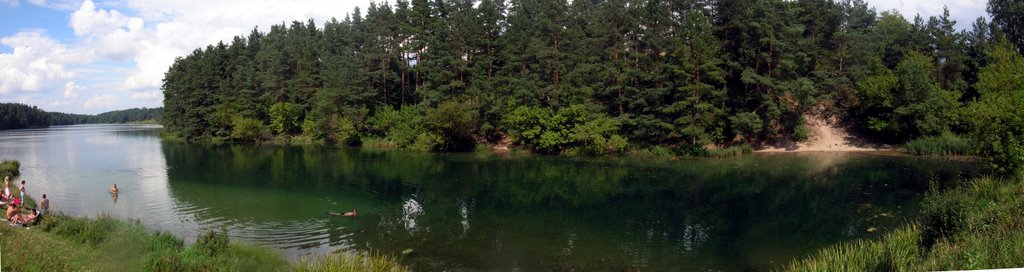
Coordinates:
963 11
182 26
103 101
71 90
111 34
147 96
37 63
145 34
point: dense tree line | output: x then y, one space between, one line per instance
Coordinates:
590 76
128 116
18 116
14 116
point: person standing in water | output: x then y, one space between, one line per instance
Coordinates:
113 189
44 205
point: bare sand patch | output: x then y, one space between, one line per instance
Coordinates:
825 135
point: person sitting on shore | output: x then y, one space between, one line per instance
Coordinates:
5 195
25 219
113 189
44 205
347 214
12 210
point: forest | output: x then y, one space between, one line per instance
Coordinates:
18 116
604 76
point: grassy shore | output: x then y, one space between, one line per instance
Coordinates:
65 243
979 226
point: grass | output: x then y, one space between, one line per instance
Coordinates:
378 143
60 243
64 243
947 144
979 226
731 151
10 168
352 261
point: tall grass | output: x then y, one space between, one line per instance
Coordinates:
10 168
947 144
352 262
979 226
731 151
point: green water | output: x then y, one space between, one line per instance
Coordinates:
484 211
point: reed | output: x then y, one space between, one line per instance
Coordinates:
731 151
352 262
947 144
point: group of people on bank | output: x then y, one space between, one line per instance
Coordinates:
15 204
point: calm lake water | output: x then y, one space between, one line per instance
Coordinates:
482 211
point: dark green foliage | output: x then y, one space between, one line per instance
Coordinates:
455 123
682 75
940 219
129 115
997 118
1009 16
10 168
17 116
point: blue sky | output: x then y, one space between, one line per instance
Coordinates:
91 57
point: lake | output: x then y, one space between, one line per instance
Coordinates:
482 211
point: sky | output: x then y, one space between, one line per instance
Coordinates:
95 56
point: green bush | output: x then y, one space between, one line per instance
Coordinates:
248 129
211 244
10 168
945 144
997 118
333 128
455 123
399 127
426 142
285 118
574 128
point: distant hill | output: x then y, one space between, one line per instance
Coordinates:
17 116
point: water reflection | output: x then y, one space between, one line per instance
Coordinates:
468 211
